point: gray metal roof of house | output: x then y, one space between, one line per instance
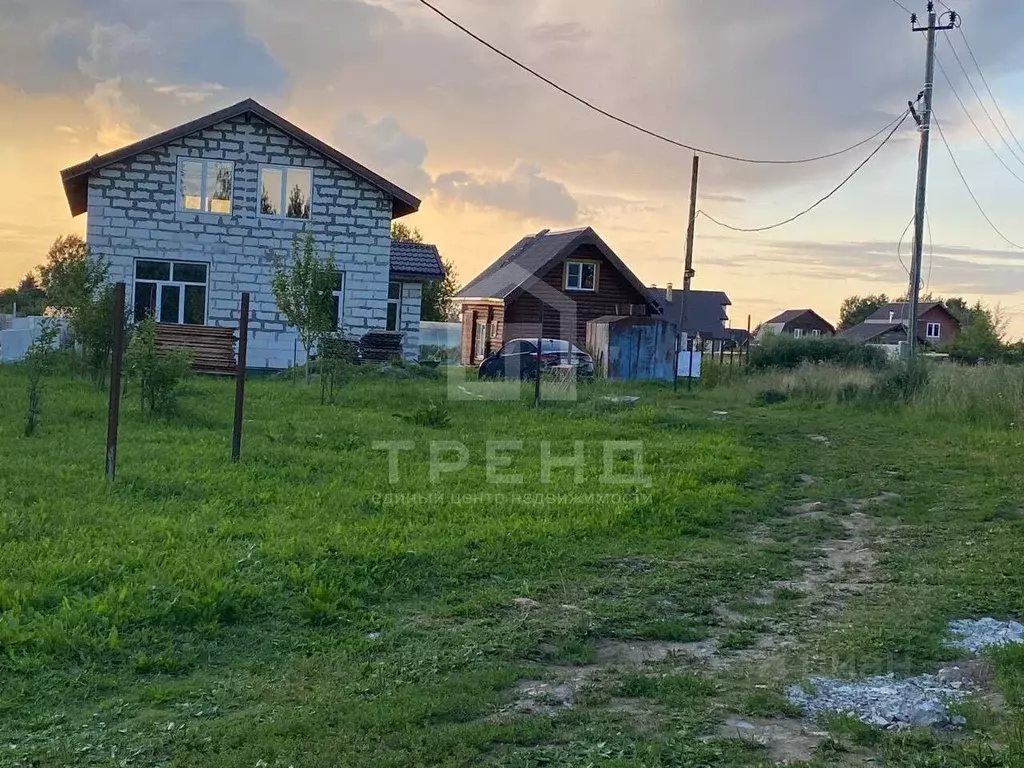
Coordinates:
416 260
868 330
528 261
788 316
705 311
76 178
900 310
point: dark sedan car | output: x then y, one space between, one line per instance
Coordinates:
517 359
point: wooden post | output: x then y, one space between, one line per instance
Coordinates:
243 341
748 339
114 403
540 348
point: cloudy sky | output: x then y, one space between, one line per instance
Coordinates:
496 154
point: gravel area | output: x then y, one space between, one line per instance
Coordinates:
886 701
974 635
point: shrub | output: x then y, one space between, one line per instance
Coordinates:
902 382
786 352
158 372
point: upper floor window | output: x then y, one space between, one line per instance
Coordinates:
205 185
580 276
933 331
798 333
285 192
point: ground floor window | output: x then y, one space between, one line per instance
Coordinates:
798 333
338 298
394 306
171 291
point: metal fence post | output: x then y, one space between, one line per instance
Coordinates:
243 340
114 404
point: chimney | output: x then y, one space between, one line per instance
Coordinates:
668 293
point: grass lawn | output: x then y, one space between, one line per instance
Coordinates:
311 606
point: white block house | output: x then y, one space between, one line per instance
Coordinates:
192 217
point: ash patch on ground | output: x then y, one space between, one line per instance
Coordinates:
887 701
975 635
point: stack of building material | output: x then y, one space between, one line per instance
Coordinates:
380 346
212 348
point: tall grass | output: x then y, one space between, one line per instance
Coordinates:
991 396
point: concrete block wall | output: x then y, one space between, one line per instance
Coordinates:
133 214
412 304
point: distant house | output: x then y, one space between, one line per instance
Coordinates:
738 338
706 314
543 283
192 217
798 323
888 325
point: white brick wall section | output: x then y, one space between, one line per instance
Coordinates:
412 300
133 215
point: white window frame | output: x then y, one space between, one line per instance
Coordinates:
579 283
179 203
815 332
179 284
339 294
798 333
398 306
928 331
283 202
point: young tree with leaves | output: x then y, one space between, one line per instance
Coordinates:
856 309
40 360
77 287
302 289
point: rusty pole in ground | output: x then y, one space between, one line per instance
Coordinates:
114 404
243 339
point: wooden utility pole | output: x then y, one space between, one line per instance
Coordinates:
688 272
243 344
114 403
924 121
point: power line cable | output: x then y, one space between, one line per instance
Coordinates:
807 210
899 246
988 87
635 126
931 251
967 186
981 103
973 122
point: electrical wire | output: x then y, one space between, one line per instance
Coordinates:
967 186
901 5
635 126
899 246
807 210
988 87
981 102
931 251
977 128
